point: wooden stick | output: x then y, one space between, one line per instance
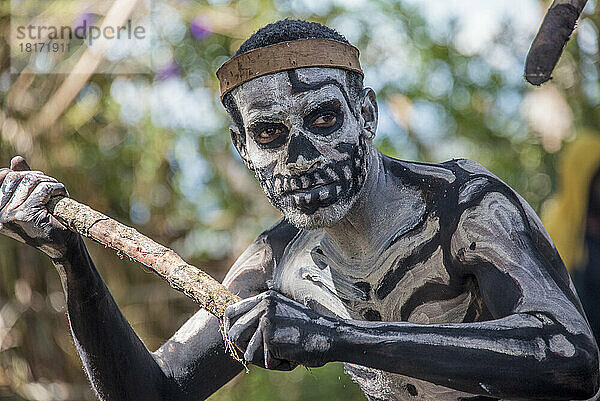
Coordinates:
193 282
550 40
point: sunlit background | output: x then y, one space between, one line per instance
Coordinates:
153 151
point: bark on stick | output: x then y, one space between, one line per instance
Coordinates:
550 40
193 282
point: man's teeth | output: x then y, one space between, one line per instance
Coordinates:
317 185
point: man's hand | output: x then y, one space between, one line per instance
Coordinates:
24 195
278 333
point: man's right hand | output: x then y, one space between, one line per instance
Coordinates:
24 195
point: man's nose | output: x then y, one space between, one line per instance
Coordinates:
302 154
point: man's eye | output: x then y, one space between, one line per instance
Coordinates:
269 134
324 121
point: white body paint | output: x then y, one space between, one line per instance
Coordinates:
191 327
279 103
292 279
299 277
385 253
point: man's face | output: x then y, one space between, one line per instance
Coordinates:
305 142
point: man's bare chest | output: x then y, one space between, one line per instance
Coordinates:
408 280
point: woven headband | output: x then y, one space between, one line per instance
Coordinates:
287 56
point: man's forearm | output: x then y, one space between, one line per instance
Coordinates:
511 357
115 359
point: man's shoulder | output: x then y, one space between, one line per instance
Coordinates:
460 185
463 178
483 198
418 172
448 171
254 267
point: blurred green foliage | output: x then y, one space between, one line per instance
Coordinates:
302 384
152 150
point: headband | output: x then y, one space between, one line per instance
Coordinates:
284 56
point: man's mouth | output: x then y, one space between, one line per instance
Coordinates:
318 184
318 192
335 182
319 188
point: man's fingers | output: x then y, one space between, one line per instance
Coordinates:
42 195
254 352
15 186
45 190
9 185
41 175
27 185
271 362
233 312
3 173
18 163
249 322
243 329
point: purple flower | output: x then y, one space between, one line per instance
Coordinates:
82 23
200 27
169 71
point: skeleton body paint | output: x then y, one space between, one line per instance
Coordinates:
427 280
421 276
306 155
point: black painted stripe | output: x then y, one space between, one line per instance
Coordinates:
299 87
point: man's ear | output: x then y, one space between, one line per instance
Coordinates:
239 141
368 112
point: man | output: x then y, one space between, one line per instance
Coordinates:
433 282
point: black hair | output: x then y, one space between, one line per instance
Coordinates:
284 31
287 30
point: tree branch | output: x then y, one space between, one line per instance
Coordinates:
550 40
193 282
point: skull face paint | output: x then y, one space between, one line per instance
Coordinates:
306 144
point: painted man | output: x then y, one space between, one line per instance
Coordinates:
431 281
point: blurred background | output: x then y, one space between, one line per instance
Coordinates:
153 151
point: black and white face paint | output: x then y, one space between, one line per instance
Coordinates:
305 142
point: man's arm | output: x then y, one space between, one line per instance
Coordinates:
190 366
538 345
195 356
